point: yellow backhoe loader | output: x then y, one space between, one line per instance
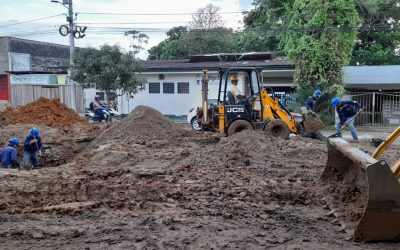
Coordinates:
255 109
362 191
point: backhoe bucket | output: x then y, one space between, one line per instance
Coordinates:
362 193
311 125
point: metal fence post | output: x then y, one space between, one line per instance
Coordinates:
373 109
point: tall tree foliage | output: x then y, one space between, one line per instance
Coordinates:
204 35
206 18
378 38
270 13
320 37
108 69
137 40
256 39
263 25
191 42
172 47
378 41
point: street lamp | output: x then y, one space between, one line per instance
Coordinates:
70 19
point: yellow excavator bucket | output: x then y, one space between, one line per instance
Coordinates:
312 125
362 193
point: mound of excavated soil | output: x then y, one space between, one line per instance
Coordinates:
143 130
42 112
141 124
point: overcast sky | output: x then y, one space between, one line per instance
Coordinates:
108 27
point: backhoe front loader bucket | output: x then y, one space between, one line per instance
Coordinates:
362 193
312 125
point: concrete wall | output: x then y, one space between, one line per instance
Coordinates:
4 48
43 56
168 104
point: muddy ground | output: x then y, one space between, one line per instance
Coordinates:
148 183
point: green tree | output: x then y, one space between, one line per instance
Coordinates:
263 25
190 42
137 40
108 69
172 47
255 39
268 13
379 34
378 38
215 40
204 35
206 18
319 38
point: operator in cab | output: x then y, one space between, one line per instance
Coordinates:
234 89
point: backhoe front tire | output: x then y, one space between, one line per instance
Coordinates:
238 126
277 128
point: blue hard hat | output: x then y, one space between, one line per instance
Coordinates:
35 131
14 141
335 101
317 92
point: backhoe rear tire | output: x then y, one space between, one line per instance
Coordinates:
238 126
277 128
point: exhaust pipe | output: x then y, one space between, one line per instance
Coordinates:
204 99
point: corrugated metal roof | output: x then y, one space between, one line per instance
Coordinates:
386 74
186 64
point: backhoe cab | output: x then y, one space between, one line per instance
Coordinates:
253 109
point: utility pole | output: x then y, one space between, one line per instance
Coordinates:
71 53
70 19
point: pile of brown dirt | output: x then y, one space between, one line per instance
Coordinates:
47 112
143 130
142 123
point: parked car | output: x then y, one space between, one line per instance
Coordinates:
192 119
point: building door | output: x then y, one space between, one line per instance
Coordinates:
4 88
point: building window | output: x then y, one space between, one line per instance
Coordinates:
168 88
183 88
154 88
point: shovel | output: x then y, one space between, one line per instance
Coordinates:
338 134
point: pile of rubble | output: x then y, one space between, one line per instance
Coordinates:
47 112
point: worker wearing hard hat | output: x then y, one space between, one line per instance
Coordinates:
312 100
32 148
8 155
234 89
310 103
347 111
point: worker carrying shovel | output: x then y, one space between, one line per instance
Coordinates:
32 148
347 111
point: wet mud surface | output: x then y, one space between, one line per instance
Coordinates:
149 183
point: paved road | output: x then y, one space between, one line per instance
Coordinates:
365 133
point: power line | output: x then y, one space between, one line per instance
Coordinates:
266 32
153 14
33 20
134 23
